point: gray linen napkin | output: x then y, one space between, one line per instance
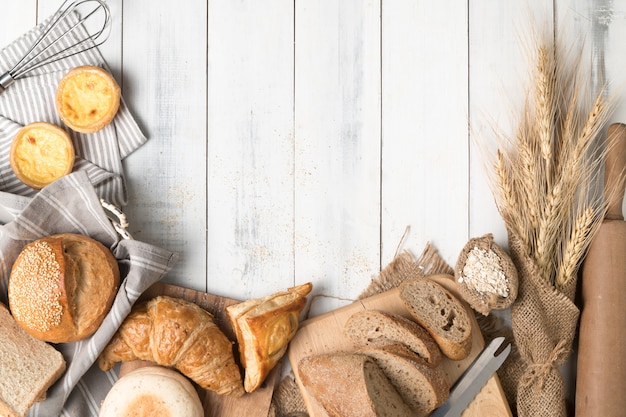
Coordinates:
32 99
70 204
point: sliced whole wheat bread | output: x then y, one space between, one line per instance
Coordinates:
351 385
422 387
374 328
441 313
28 367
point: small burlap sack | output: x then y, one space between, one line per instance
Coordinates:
491 297
544 322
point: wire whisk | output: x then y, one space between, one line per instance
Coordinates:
58 40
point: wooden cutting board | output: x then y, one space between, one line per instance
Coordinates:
323 334
254 404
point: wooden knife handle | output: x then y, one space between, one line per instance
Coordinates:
614 170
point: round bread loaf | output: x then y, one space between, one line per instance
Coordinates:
87 99
62 286
152 391
41 153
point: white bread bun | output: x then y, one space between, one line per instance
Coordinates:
62 286
152 391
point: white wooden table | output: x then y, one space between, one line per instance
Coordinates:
294 141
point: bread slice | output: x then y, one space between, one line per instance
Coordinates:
28 367
422 387
374 328
351 385
441 313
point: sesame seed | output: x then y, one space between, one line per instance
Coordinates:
34 287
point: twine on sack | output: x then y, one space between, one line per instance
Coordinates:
537 373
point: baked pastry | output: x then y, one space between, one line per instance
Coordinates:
441 314
373 328
41 153
152 391
264 327
177 333
62 286
422 387
28 367
351 385
87 99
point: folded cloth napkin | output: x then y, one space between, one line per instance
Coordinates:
32 99
70 204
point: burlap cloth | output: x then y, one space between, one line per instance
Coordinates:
287 400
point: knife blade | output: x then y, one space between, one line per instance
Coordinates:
474 378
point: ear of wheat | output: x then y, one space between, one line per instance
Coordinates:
546 176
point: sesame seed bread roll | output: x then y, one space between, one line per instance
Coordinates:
61 287
87 99
152 391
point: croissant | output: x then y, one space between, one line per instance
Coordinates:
176 333
264 327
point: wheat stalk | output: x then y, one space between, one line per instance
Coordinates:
544 106
575 246
544 180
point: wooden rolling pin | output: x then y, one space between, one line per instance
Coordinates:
601 369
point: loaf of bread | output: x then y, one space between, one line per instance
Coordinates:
62 286
374 328
264 327
422 387
176 333
40 154
152 391
87 99
441 314
351 385
28 367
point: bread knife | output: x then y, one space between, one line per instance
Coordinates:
474 379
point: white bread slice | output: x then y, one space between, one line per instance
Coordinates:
441 313
422 387
28 367
374 328
351 385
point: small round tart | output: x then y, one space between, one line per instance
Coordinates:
87 99
152 391
41 153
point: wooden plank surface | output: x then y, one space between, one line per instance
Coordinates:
324 334
298 141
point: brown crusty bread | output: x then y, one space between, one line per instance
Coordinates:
351 385
422 387
62 286
28 367
374 328
441 313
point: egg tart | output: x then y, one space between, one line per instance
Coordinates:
41 153
87 99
